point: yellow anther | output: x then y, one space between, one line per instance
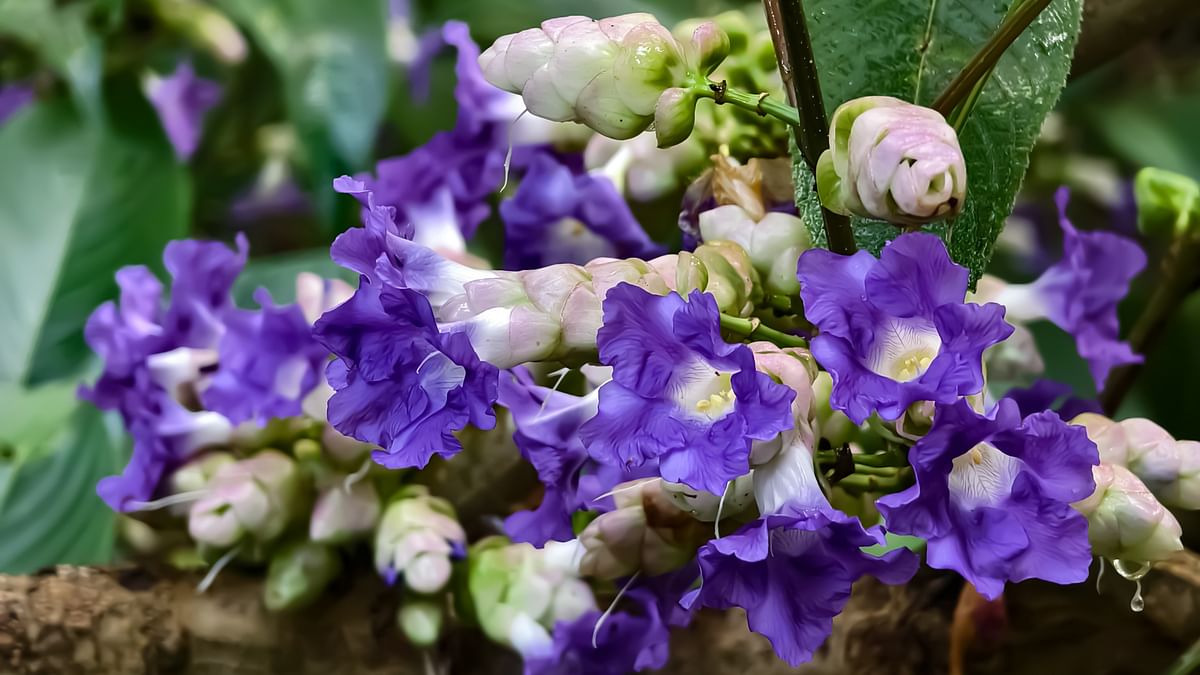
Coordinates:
976 455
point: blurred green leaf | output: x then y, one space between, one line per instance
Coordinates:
1148 128
60 34
491 19
32 418
51 514
278 275
78 200
334 62
911 49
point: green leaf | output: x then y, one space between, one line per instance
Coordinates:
52 514
32 418
78 200
333 60
277 274
60 34
912 49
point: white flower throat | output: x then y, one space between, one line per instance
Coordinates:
982 476
904 349
704 391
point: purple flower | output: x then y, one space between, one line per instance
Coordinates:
993 496
269 361
1080 293
792 573
547 433
626 642
13 97
896 330
442 187
153 358
1043 394
557 216
182 100
401 383
679 392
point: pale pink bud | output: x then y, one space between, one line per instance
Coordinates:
646 532
1125 521
892 160
342 514
1109 437
256 497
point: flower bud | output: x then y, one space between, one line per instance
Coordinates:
833 425
709 46
1125 521
255 497
704 506
610 74
774 242
342 514
1170 468
892 160
416 539
674 116
298 574
421 622
520 592
1109 437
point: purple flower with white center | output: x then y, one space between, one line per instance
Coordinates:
792 572
993 496
269 361
182 100
547 433
679 392
895 330
155 358
1080 293
626 642
401 383
557 216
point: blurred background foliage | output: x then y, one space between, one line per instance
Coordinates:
312 89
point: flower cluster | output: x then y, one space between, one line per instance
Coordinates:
752 422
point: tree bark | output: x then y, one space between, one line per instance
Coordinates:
133 620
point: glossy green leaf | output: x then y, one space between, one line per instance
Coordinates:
51 514
277 274
78 200
912 49
333 59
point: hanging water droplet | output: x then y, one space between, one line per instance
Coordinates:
1137 604
1100 574
1127 569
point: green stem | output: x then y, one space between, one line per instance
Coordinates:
989 55
753 329
755 103
1180 276
858 482
798 69
879 459
868 470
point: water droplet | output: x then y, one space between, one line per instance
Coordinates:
1127 569
1137 604
1100 574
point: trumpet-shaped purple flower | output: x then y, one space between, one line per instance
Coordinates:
626 642
1080 293
679 392
993 496
547 434
269 361
792 573
896 330
182 100
152 356
401 383
557 216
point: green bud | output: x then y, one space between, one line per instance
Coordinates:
709 47
674 116
1168 203
298 574
421 622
